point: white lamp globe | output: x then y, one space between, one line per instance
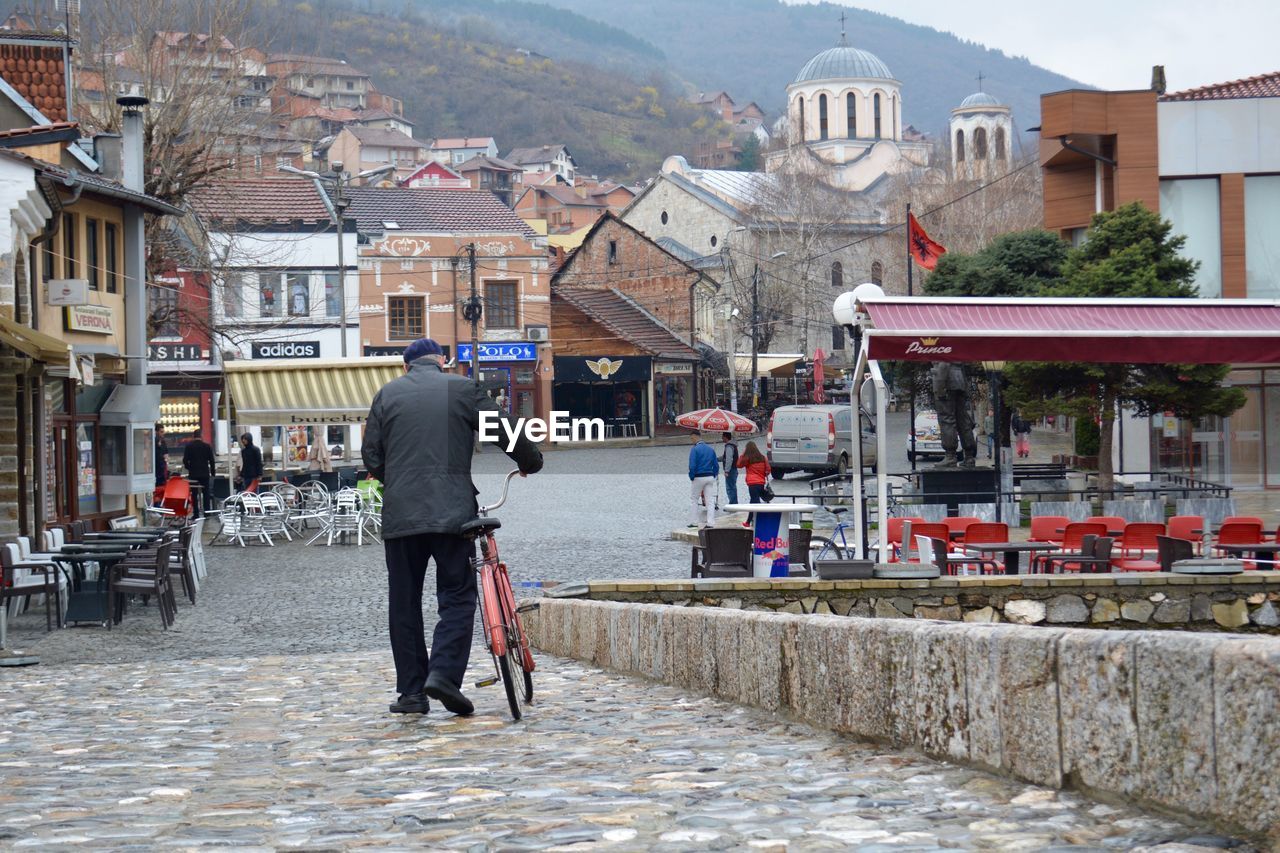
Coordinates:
843 309
867 290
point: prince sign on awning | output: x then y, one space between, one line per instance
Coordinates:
1127 331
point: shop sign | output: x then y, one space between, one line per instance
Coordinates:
91 318
175 352
1170 425
67 291
682 368
372 351
603 368
286 349
519 351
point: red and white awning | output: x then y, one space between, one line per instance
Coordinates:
1138 331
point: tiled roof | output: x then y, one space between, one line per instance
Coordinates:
568 197
93 183
530 156
1261 86
434 210
384 137
613 310
381 115
180 39
37 130
315 64
462 142
480 161
261 201
38 74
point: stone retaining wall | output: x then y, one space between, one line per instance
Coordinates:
1247 602
1183 722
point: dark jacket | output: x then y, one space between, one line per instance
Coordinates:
197 458
250 463
162 462
729 459
419 441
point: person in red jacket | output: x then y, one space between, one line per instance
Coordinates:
757 474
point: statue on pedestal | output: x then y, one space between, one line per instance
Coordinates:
955 422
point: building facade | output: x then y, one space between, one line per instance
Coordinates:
1207 159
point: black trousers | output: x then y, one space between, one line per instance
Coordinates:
206 494
455 602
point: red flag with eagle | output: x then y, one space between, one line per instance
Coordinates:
922 247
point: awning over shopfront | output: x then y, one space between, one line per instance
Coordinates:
35 344
307 391
1137 331
767 364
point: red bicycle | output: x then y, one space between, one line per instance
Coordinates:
503 634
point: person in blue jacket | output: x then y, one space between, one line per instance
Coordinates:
704 478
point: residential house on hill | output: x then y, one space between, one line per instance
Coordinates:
555 159
330 82
386 120
414 277
503 179
433 174
456 150
359 148
563 209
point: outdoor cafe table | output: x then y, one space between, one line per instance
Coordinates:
771 535
1257 549
1012 551
89 605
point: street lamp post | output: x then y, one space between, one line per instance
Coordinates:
755 330
340 181
993 369
848 313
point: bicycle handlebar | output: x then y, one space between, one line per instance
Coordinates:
506 485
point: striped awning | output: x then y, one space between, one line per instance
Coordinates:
35 344
293 392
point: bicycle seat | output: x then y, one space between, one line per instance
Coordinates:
477 526
836 510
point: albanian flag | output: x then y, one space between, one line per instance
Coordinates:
925 251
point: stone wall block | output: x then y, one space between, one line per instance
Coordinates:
877 656
652 650
982 680
815 695
725 637
1099 717
1027 684
706 664
941 704
1246 685
761 659
531 621
1175 714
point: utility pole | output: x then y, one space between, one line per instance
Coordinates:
472 311
755 337
911 429
339 203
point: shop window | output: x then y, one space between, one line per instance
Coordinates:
332 295
501 310
1192 206
406 318
269 295
233 295
70 266
164 311
112 240
91 253
299 285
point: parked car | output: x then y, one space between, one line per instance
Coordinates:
928 437
815 438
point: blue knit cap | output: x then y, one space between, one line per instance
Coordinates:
421 347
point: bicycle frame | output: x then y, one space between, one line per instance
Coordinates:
496 595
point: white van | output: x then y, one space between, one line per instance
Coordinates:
815 438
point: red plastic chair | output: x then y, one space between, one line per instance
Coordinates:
959 523
894 534
1185 527
177 496
934 530
1044 528
1072 540
1140 541
1238 533
1242 519
985 533
1113 522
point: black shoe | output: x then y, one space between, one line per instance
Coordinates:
449 696
411 703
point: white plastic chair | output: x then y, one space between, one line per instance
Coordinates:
29 575
197 547
347 516
275 516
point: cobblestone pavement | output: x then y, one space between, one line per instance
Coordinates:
298 752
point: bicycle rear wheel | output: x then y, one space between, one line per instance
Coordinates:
822 548
507 668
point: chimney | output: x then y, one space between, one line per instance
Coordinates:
108 150
1158 84
132 153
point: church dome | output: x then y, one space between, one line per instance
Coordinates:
980 99
841 63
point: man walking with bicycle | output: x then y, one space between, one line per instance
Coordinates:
418 441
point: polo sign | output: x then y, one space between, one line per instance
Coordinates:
519 351
286 349
91 318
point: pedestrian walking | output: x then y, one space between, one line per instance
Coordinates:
729 464
1022 433
162 458
419 441
250 464
318 459
757 475
198 459
704 479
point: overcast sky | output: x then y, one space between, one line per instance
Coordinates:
1111 44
